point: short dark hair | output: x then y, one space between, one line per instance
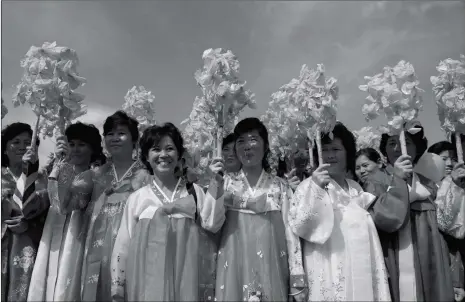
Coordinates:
440 147
370 153
252 123
348 141
89 134
419 139
152 137
120 118
230 138
10 132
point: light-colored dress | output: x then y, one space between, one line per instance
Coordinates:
343 258
259 257
76 264
157 251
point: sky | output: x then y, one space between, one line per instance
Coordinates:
159 45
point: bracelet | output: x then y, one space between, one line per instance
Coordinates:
298 292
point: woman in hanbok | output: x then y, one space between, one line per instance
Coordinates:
259 258
231 163
102 193
367 162
415 252
24 209
59 240
450 204
343 258
156 255
446 151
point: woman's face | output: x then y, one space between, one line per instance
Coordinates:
447 157
119 141
364 167
80 152
394 151
163 157
250 149
16 147
232 164
334 154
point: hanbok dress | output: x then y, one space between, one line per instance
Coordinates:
450 203
25 198
156 255
415 252
62 243
259 257
343 258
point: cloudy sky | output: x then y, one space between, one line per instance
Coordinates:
159 44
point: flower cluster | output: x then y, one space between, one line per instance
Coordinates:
368 137
221 87
139 103
449 90
316 97
48 85
221 90
395 92
281 120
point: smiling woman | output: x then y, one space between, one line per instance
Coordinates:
168 211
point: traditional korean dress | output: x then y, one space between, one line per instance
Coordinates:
62 244
259 258
415 252
27 198
450 203
156 255
343 258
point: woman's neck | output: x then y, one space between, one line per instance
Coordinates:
168 180
16 169
340 179
81 168
252 173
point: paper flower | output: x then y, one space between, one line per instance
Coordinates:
394 92
316 98
48 85
140 104
221 87
281 120
449 90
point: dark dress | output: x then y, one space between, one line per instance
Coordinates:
393 214
20 241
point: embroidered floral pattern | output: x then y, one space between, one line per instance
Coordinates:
26 259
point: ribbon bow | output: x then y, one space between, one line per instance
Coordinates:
412 127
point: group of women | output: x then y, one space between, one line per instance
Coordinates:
135 226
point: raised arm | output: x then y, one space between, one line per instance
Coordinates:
450 212
391 208
311 215
294 249
211 205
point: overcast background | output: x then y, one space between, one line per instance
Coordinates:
159 44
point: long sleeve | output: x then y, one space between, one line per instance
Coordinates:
120 250
211 206
450 203
294 249
391 208
68 191
311 215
